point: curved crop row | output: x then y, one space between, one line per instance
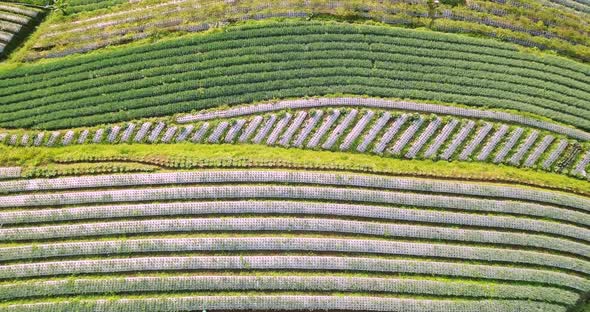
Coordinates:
328 226
15 20
385 104
286 283
321 263
299 177
306 73
291 192
286 303
95 30
293 208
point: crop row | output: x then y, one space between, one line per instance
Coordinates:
515 135
233 36
423 138
83 32
324 226
342 126
285 283
582 165
278 129
92 100
237 57
76 6
300 117
293 208
293 192
338 125
476 141
385 104
321 263
406 136
576 5
301 177
307 75
493 143
300 302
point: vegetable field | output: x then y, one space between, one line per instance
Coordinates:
251 64
541 265
317 155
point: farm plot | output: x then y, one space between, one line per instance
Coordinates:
440 238
240 66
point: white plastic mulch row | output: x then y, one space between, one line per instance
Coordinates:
308 127
297 192
265 303
319 263
285 283
509 145
388 104
489 190
293 208
383 247
372 134
10 172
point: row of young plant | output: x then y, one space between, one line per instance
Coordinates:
283 302
313 263
84 169
429 233
179 86
92 32
303 208
345 130
377 103
296 192
286 283
516 20
489 241
77 6
302 177
10 172
574 4
59 40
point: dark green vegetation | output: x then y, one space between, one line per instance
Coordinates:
280 60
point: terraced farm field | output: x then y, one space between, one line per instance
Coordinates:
346 155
